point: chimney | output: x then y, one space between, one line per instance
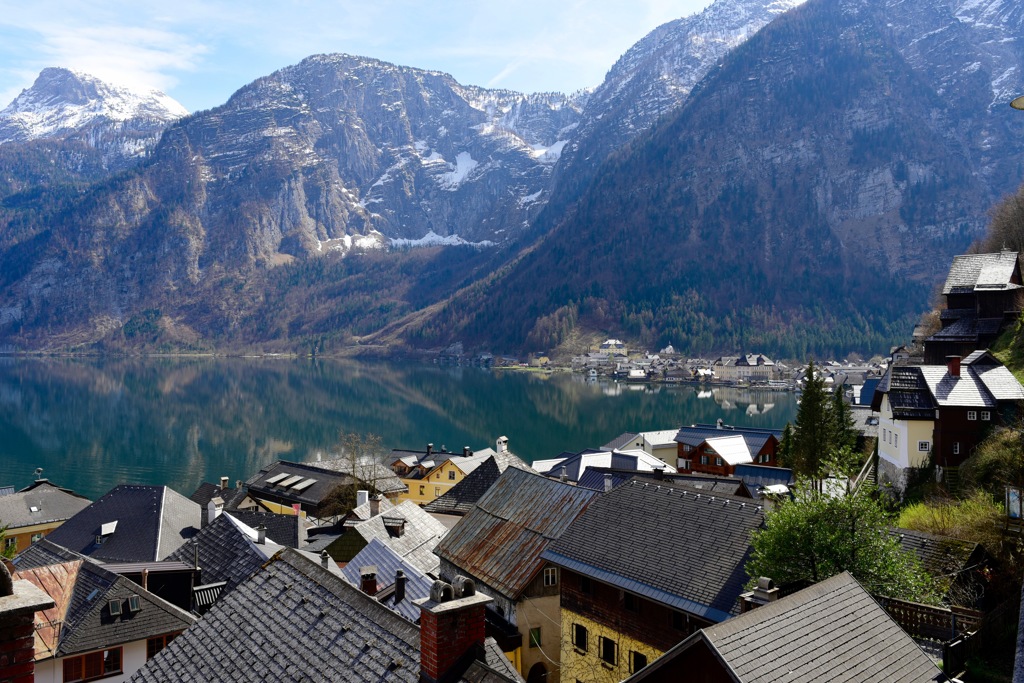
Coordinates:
223 483
607 482
261 533
19 602
362 497
368 579
763 593
466 452
375 504
325 559
659 473
430 449
211 512
145 578
399 586
563 475
451 627
718 423
502 444
953 365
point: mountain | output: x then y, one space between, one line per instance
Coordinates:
803 200
652 80
70 127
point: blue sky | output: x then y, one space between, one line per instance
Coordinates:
200 51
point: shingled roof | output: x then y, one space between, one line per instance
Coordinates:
594 479
915 391
831 632
500 541
460 499
42 503
697 567
272 619
82 621
134 523
388 562
755 438
971 272
409 531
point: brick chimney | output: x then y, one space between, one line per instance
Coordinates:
19 602
953 366
451 629
368 579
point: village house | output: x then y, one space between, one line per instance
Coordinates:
607 478
430 474
938 414
101 625
983 294
498 544
406 528
830 632
462 497
295 620
35 511
718 449
571 467
630 591
389 579
614 347
750 367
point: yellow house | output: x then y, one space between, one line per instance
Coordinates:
430 474
33 512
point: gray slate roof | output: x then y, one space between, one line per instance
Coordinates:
388 562
915 391
82 591
44 552
294 473
970 272
206 492
939 555
152 522
669 543
593 478
226 553
286 530
39 504
420 534
831 632
501 540
461 498
755 438
295 621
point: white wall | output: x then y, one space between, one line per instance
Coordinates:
133 656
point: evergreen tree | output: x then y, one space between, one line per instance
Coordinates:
811 430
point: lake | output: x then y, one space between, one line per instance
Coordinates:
91 424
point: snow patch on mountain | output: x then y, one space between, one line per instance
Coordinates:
432 239
464 165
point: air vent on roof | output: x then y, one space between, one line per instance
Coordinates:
115 608
134 603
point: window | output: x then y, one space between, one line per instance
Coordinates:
579 637
451 475
437 491
10 542
637 661
586 587
535 636
93 665
37 537
114 607
134 604
631 602
956 448
679 621
609 651
923 446
703 460
986 415
687 448
718 462
157 643
551 576
422 489
896 440
972 414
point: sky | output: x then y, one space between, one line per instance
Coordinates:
201 51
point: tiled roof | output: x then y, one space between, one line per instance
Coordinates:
756 476
831 632
980 271
593 479
417 539
151 523
207 492
286 530
621 539
850 635
621 440
263 631
460 499
501 540
82 592
939 555
388 562
40 505
44 552
227 552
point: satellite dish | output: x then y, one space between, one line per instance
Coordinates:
1018 103
39 473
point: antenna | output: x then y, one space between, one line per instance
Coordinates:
39 473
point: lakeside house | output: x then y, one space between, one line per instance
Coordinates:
430 474
35 511
720 448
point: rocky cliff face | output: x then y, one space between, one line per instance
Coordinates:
803 199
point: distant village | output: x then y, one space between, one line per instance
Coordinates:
623 561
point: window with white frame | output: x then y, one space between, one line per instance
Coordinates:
551 576
923 446
972 414
986 415
956 448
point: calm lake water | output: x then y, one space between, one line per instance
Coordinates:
93 424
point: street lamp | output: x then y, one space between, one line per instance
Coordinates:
1018 103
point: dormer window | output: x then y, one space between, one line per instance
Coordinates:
134 603
114 606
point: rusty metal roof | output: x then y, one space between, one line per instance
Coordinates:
501 539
